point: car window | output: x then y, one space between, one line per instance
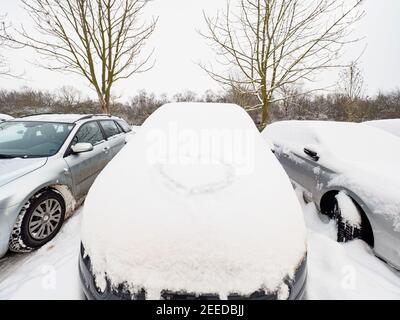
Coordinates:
30 139
89 133
110 128
15 131
124 126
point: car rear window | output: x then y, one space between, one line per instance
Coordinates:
110 128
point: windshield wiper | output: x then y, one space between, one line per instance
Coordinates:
6 156
9 156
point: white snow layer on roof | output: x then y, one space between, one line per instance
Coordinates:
390 125
5 117
364 159
67 118
188 223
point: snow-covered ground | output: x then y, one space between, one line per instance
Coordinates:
343 271
49 273
335 271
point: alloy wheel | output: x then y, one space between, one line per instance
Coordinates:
45 219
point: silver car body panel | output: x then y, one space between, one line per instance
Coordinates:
318 180
16 168
71 175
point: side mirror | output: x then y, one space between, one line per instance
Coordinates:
312 154
82 147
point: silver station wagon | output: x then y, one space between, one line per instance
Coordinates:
47 165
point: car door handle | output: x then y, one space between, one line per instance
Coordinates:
106 149
66 171
312 154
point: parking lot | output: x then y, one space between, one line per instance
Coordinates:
335 271
199 150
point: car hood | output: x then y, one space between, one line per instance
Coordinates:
11 169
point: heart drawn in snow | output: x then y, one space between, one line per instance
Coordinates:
194 176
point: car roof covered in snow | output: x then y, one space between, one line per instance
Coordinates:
195 202
350 141
192 113
62 118
390 125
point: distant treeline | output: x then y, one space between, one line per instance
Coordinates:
296 107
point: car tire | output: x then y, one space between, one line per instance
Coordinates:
38 222
345 230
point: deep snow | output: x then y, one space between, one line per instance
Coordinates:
348 209
188 238
335 271
49 273
343 271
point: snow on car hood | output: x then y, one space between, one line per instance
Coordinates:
365 159
169 213
11 169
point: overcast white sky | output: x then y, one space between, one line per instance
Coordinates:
178 47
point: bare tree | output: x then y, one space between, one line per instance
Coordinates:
351 82
101 40
242 97
4 66
351 91
290 92
186 96
264 45
69 95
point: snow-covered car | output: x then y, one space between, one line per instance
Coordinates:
390 125
194 207
132 133
352 172
47 165
135 129
5 117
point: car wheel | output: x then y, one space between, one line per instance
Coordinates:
38 223
347 231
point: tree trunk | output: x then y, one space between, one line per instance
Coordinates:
264 115
265 108
104 104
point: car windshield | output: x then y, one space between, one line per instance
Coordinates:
28 139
